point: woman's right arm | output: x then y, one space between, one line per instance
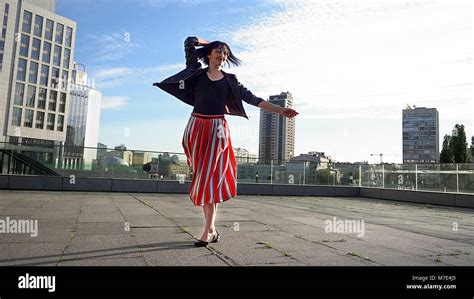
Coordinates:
190 51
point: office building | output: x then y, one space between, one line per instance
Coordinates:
420 135
277 133
36 60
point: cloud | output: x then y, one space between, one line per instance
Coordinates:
358 63
109 77
111 46
361 53
113 102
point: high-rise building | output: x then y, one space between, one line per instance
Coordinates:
36 60
83 122
277 133
420 135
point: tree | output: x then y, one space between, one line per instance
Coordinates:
446 155
458 145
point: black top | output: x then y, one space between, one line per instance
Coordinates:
184 92
210 96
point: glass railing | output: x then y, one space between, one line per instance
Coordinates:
138 164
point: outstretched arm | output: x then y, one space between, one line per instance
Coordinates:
250 98
267 106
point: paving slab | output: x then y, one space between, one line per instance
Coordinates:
133 229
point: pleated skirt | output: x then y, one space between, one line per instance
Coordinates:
208 149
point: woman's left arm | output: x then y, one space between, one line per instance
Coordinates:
267 106
250 98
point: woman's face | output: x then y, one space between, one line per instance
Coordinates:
218 56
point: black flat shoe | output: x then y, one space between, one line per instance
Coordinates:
200 243
215 238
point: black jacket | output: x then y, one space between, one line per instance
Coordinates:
176 84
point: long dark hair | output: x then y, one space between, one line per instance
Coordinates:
207 49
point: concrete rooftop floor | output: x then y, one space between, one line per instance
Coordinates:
132 229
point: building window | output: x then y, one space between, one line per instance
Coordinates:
48 30
19 92
21 73
68 37
42 98
65 77
60 126
16 119
44 75
27 16
57 56
54 77
33 77
39 120
24 45
46 52
67 54
30 99
38 26
62 102
50 122
5 21
28 122
35 49
53 95
59 33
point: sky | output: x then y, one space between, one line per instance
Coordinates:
351 66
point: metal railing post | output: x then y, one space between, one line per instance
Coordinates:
416 177
457 178
271 171
304 173
383 176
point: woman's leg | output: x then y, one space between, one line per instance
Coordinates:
209 212
213 220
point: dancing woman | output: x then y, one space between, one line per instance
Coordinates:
206 140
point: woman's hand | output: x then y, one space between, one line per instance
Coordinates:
288 112
202 42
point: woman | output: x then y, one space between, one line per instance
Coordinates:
206 140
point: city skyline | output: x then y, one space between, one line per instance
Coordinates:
351 67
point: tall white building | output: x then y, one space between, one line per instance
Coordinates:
82 135
277 133
36 60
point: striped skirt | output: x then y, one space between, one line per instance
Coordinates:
208 148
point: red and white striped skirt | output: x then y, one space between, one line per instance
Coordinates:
209 153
